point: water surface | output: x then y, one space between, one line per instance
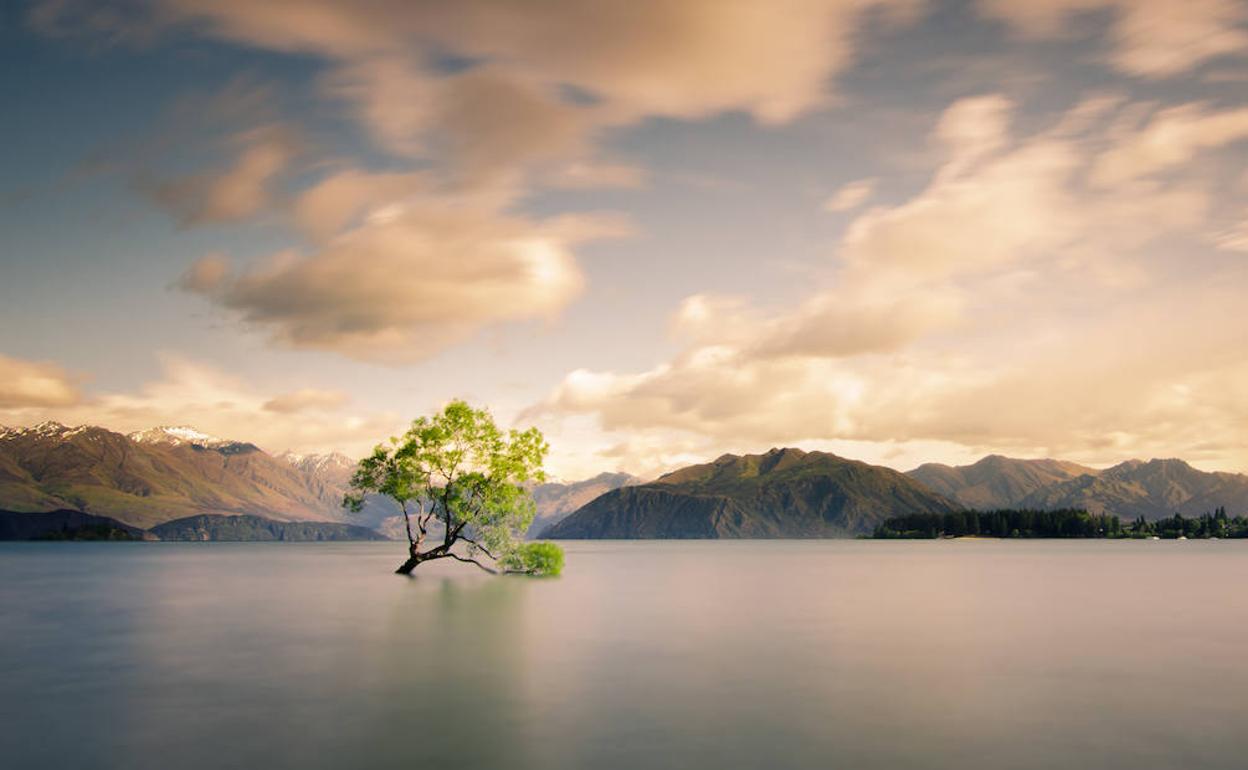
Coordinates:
778 654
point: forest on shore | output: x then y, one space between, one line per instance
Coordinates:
1061 523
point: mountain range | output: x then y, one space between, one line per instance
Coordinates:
783 493
996 481
154 476
1153 489
76 525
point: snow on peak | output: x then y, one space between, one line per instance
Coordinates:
315 463
49 429
177 435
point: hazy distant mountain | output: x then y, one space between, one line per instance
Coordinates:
328 476
1152 489
250 528
556 500
783 493
996 481
156 475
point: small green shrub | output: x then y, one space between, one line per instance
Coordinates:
536 559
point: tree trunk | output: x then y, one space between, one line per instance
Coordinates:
413 558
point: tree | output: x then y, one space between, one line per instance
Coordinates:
458 468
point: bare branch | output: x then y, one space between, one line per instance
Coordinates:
468 560
478 546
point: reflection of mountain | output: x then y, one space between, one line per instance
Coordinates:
783 493
162 474
995 481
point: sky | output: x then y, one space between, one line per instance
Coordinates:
900 230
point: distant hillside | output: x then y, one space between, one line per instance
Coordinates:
555 501
995 481
251 528
162 474
783 493
64 525
1153 489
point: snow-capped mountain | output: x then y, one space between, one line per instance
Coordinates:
334 463
48 429
159 474
179 435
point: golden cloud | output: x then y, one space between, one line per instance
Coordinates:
26 384
407 284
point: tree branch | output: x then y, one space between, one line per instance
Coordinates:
477 545
407 522
469 560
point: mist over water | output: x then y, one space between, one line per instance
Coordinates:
862 654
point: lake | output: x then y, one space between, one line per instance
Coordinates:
711 654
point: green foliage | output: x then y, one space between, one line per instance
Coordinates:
1215 524
458 468
535 559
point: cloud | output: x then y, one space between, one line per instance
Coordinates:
1148 38
392 97
335 202
192 392
241 191
1234 238
537 80
998 204
26 384
401 287
989 312
481 100
305 400
1172 137
646 56
850 196
590 174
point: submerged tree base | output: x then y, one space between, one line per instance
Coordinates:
536 559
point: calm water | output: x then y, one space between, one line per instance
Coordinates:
854 654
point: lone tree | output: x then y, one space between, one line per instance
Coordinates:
460 469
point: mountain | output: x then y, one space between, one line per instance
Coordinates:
1153 489
157 475
251 528
996 481
783 493
182 435
76 525
556 500
64 525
